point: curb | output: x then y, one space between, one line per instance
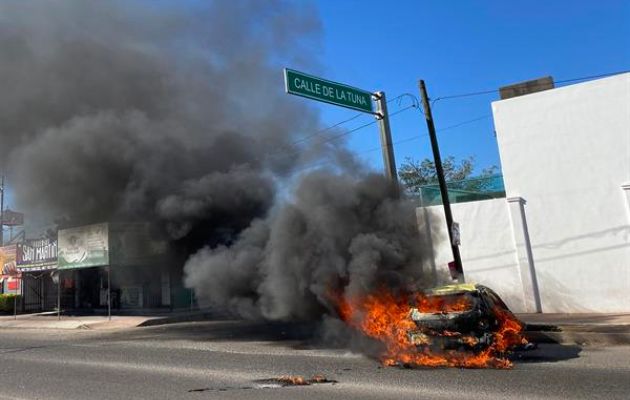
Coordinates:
201 316
583 336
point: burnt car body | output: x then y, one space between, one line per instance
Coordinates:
459 317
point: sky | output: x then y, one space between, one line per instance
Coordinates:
460 47
457 47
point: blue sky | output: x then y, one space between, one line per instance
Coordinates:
460 47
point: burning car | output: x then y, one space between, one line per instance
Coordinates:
465 317
465 326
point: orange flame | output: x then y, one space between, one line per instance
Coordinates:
385 317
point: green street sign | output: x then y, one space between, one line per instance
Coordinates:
301 84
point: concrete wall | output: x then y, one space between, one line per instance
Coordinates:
567 153
565 156
487 246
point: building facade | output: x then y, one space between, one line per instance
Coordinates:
560 241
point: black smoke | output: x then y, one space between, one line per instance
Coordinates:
174 113
121 109
337 235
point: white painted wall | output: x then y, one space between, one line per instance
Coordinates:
487 246
566 152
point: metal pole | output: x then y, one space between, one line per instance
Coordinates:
386 138
42 294
442 181
109 294
58 295
2 211
15 301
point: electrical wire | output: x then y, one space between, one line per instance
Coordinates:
483 92
305 167
400 97
401 141
346 133
418 137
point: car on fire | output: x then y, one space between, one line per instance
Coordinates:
464 317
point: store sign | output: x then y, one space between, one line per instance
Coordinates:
12 218
7 260
83 247
37 255
10 278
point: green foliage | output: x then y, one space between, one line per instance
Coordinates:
7 301
414 174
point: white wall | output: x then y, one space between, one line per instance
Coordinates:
560 242
567 153
487 246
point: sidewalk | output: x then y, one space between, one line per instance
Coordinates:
581 329
49 320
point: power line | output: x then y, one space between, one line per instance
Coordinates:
470 121
417 137
414 100
351 131
401 141
348 132
483 92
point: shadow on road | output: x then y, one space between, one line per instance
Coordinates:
234 330
548 353
304 335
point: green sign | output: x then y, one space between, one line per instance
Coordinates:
304 85
83 247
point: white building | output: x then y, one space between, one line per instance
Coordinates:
560 241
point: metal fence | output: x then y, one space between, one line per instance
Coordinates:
475 189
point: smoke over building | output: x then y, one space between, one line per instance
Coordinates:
151 111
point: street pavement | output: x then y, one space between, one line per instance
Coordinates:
225 359
582 329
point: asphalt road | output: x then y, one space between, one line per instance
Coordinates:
207 360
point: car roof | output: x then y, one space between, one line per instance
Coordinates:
452 289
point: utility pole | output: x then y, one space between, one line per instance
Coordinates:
386 139
442 181
2 211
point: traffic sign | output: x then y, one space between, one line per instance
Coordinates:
301 84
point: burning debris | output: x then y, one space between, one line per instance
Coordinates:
272 383
294 380
464 326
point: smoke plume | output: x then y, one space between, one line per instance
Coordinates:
173 112
119 110
338 235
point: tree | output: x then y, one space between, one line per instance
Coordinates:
414 174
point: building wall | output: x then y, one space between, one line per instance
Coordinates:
565 156
560 242
567 152
487 246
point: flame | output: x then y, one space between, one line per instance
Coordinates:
386 317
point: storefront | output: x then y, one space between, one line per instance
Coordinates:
120 262
36 261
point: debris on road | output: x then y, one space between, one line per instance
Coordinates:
293 380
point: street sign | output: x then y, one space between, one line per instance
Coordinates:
301 84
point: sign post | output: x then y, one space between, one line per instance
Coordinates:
339 94
386 138
2 211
